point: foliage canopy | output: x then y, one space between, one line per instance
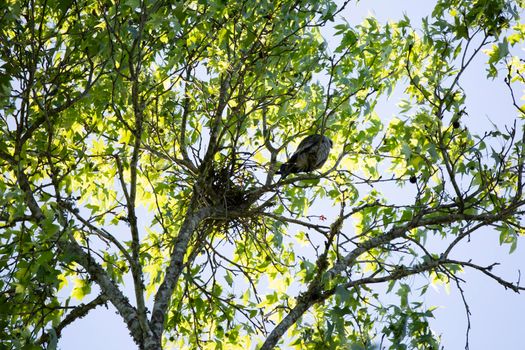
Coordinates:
140 139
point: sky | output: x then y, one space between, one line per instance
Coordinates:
497 314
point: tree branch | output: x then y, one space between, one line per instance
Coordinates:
175 267
79 311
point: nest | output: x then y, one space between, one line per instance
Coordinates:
228 188
227 185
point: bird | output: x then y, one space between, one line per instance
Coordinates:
310 155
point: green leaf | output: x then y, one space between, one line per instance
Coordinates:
81 288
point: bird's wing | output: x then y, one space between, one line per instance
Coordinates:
322 152
306 143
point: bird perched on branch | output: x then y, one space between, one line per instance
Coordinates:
310 155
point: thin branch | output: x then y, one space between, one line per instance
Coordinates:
77 312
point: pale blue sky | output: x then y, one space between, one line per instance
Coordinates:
497 313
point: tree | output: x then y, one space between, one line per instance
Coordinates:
141 139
